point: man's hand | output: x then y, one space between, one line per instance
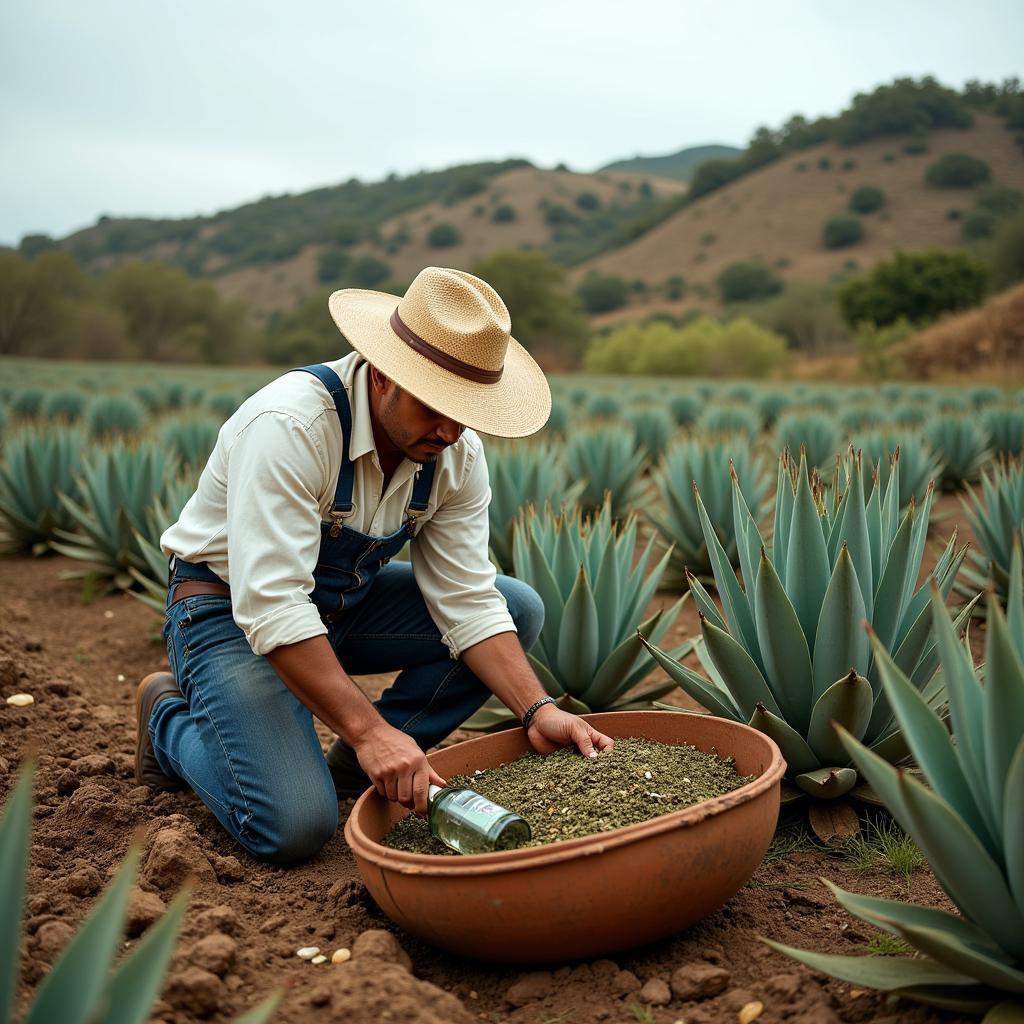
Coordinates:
397 767
551 728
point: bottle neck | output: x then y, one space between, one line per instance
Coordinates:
432 791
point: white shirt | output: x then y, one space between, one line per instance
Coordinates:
255 516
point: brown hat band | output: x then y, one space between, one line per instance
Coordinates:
442 359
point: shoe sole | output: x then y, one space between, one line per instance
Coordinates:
144 773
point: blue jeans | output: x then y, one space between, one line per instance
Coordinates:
246 744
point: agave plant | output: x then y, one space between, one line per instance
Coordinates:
707 464
685 408
771 405
653 428
604 407
910 414
1004 425
114 416
118 485
919 465
521 475
963 447
223 405
812 431
64 405
788 654
730 419
995 518
855 418
967 822
27 403
589 653
38 465
150 573
607 459
190 439
558 420
84 986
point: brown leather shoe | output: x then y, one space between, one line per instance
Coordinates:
157 686
350 781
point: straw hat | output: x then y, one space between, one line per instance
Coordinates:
447 342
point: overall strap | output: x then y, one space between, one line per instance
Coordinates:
342 507
421 491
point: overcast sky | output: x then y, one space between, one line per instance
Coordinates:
167 109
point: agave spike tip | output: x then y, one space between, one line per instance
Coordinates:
852 677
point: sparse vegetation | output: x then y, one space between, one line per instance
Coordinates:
443 236
746 280
601 293
957 170
867 199
842 231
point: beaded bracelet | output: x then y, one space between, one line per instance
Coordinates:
532 709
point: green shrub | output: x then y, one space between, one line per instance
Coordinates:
367 272
557 215
1000 200
848 164
588 201
916 146
746 280
915 285
705 347
957 170
443 236
675 287
842 231
867 199
875 347
954 214
1007 253
979 224
601 293
504 214
331 264
824 164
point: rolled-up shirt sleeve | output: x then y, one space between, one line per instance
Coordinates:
273 529
451 567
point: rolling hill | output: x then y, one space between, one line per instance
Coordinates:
680 166
776 215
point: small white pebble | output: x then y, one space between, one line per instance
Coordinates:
340 956
686 780
21 700
108 614
120 677
647 775
319 959
478 772
307 952
474 995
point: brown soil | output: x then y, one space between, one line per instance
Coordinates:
247 919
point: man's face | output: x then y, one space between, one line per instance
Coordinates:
417 431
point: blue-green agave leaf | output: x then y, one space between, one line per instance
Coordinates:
15 827
847 702
841 644
799 756
827 783
784 649
1003 701
702 691
807 563
72 991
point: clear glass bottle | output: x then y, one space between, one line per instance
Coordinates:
469 823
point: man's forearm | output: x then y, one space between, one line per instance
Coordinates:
500 663
311 670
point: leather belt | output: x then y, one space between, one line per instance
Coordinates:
193 588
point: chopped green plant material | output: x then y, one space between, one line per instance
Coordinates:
564 795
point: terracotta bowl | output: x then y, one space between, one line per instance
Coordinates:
582 897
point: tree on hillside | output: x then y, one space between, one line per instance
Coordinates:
546 314
304 334
171 317
35 298
917 286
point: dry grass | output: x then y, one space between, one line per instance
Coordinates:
991 337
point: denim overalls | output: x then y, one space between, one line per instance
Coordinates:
348 560
238 735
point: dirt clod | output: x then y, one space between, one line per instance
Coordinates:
84 882
67 782
387 992
530 987
220 918
143 909
195 990
624 983
173 858
51 938
655 992
92 764
378 944
699 981
214 953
